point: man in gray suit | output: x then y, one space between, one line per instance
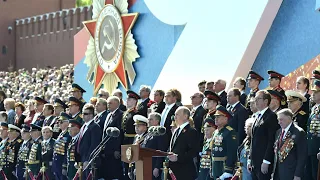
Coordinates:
290 147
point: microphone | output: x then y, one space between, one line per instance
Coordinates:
161 130
157 130
109 130
115 132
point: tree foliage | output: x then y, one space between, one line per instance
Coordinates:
80 3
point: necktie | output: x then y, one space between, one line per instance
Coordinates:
281 137
106 124
174 137
80 137
163 116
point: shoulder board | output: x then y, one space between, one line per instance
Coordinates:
80 115
19 140
229 128
302 112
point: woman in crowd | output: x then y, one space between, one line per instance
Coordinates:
244 150
2 98
302 86
19 120
31 112
9 104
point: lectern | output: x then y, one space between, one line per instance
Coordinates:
142 157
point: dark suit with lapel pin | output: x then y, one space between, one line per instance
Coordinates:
197 117
263 131
186 146
243 98
112 167
291 163
240 115
48 122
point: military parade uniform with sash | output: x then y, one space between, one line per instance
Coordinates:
224 147
47 147
11 158
71 157
128 127
60 154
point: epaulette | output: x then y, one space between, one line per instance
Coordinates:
19 141
302 112
80 115
229 128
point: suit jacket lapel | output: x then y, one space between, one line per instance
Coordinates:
180 135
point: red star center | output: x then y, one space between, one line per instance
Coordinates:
128 21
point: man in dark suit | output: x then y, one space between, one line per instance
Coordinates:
290 148
158 105
48 110
184 146
168 112
145 100
260 161
89 137
240 83
239 113
197 112
219 88
102 112
111 158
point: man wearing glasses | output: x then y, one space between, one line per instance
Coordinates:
103 94
74 109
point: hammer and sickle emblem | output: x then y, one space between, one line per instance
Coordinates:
111 39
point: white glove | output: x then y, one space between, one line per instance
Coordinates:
225 175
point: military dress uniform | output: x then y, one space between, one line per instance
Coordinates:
274 74
47 147
78 116
35 157
76 87
205 154
313 140
11 159
252 93
60 154
224 147
23 155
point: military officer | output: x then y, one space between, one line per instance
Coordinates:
213 100
12 151
127 120
4 143
224 146
47 150
254 80
23 152
205 154
35 157
75 109
77 92
275 103
313 136
72 156
60 148
274 84
59 107
295 102
315 76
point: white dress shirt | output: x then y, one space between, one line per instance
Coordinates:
165 113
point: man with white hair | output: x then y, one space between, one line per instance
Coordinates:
145 102
219 88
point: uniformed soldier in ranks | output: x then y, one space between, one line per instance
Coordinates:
295 102
23 152
35 157
205 154
127 120
47 150
77 92
275 103
11 151
315 76
74 109
141 128
59 107
224 146
60 148
313 136
274 84
39 117
72 156
254 80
